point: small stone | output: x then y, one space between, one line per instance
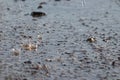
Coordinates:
38 14
29 47
40 6
48 60
8 9
43 3
15 52
107 39
22 0
57 0
118 58
39 37
116 63
37 67
28 62
91 40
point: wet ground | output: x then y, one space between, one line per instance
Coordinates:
59 40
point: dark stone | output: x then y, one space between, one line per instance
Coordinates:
40 6
43 3
57 0
118 58
58 44
22 0
28 62
8 9
47 31
113 63
38 14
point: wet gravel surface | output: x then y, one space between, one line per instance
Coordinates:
60 40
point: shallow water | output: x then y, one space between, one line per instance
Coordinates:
64 52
